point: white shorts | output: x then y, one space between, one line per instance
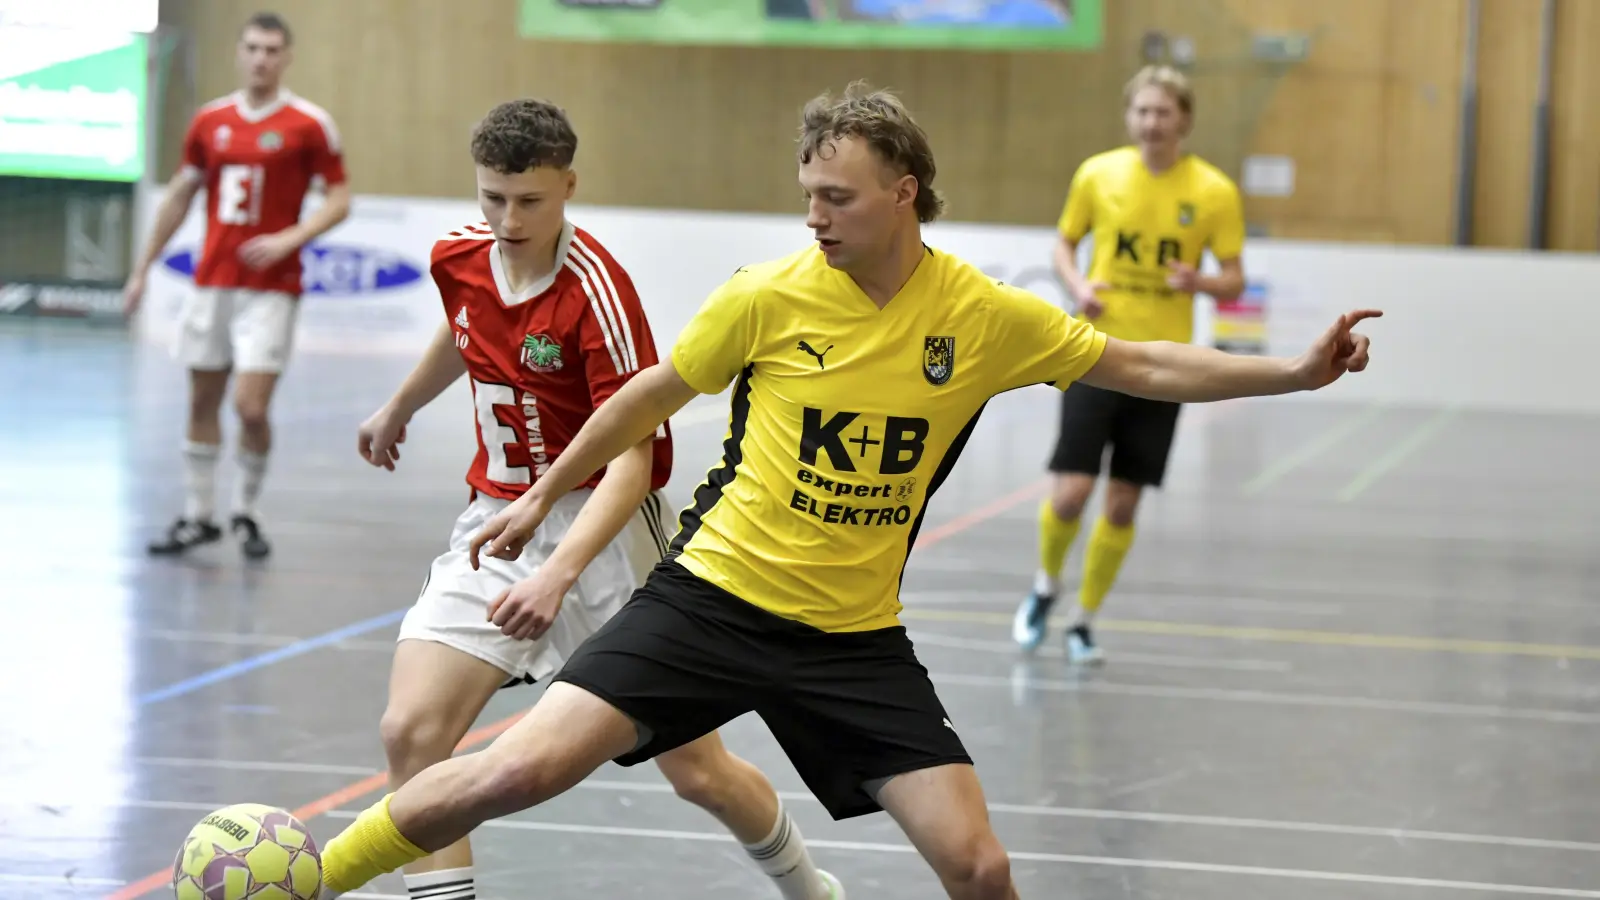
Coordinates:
453 606
245 330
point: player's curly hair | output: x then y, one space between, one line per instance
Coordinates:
519 135
878 117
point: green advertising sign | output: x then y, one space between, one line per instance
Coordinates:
902 24
72 104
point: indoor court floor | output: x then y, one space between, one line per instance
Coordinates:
1355 652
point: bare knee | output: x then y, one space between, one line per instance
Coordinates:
414 740
1070 495
697 779
1122 502
206 390
252 413
982 870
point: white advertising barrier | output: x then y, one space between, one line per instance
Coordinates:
366 281
1477 328
1480 329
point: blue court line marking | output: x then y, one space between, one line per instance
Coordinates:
261 661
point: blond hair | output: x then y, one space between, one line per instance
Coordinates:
1174 82
881 120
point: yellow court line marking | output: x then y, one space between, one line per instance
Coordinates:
1287 635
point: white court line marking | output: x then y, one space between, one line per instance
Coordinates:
60 879
243 765
1227 695
245 639
1065 812
1172 661
1067 858
118 882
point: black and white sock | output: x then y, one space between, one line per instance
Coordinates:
444 884
782 855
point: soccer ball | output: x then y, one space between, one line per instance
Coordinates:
248 852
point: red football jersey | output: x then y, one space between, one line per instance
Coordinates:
541 360
258 166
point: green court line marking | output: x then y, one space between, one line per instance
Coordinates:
1311 450
1398 453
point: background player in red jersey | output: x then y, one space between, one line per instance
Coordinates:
257 152
547 326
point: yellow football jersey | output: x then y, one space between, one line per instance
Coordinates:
845 419
1141 223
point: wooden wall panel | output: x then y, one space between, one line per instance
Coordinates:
1574 198
1508 80
1370 118
1425 43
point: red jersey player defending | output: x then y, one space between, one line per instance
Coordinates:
546 325
257 153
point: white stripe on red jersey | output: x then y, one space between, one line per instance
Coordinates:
609 293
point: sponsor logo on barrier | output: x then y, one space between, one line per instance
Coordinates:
75 301
1241 323
332 269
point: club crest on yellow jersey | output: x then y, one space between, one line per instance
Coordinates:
938 359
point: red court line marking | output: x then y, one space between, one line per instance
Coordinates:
983 513
157 880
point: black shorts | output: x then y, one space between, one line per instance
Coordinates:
1139 432
683 657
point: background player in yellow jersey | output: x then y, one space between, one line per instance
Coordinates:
860 365
1153 210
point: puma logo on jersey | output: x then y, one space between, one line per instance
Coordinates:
807 348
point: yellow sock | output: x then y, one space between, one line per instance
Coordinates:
1055 539
1108 544
370 847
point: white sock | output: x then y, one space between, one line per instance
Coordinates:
782 855
200 480
252 471
1045 584
444 884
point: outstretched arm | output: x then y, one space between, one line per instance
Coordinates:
630 416
1186 373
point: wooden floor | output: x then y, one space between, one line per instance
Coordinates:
1355 653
